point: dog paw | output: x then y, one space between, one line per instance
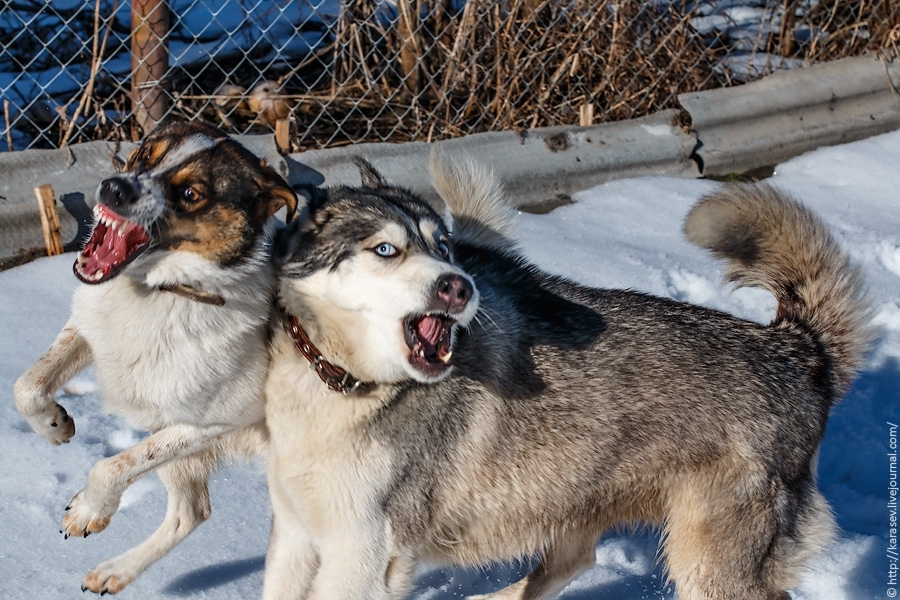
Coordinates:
53 424
106 579
84 516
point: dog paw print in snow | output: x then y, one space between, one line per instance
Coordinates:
80 386
890 257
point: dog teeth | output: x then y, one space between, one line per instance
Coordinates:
115 225
445 358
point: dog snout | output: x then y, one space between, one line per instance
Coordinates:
118 192
454 292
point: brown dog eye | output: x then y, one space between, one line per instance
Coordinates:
191 195
190 198
145 155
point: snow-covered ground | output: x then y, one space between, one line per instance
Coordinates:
625 234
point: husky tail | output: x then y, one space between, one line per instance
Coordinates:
771 241
482 213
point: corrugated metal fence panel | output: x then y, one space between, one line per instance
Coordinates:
788 113
537 166
732 130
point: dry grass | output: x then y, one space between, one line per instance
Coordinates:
433 69
834 29
430 72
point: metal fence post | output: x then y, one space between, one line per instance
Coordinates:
149 63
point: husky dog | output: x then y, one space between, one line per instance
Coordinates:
495 411
175 318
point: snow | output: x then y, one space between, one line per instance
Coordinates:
624 233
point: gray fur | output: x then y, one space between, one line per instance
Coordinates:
572 410
771 241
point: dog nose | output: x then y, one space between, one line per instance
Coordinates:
117 192
454 291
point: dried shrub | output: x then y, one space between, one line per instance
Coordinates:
433 70
833 29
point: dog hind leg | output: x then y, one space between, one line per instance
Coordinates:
562 562
733 537
399 577
808 526
185 480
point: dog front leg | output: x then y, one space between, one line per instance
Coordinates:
185 480
92 508
354 565
291 560
34 390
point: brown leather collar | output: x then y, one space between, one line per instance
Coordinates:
193 294
335 378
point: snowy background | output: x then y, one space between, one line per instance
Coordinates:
621 234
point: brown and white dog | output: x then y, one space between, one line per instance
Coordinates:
175 319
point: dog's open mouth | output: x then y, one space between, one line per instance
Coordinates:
429 338
114 243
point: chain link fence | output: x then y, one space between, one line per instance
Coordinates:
323 73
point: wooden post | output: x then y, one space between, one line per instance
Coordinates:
149 64
586 114
49 219
410 52
283 135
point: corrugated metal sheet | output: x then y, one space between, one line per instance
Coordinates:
539 165
732 130
788 113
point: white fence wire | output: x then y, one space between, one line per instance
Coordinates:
331 72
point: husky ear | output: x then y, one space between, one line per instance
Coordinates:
370 176
285 244
447 217
287 238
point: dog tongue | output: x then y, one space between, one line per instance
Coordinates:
429 330
114 242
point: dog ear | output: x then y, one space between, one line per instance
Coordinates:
370 176
282 195
289 238
278 193
447 218
286 241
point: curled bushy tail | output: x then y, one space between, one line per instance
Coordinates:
771 241
481 210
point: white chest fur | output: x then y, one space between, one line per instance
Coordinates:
163 358
321 437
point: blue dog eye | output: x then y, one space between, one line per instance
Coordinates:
386 250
